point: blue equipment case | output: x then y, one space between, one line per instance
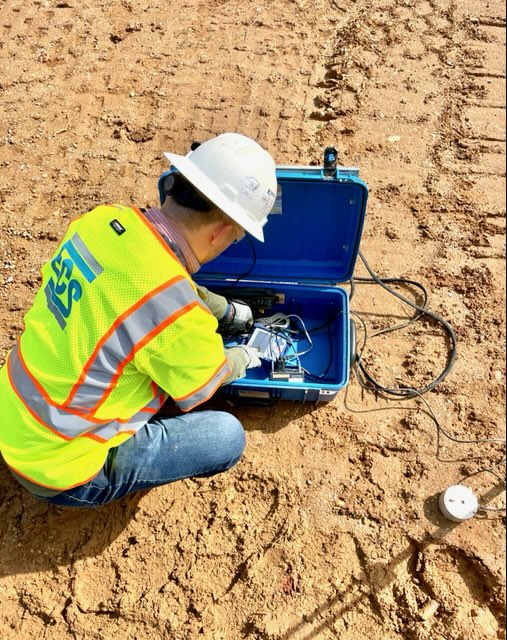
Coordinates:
311 244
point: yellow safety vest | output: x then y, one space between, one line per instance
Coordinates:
116 328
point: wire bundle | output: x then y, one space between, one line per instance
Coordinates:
367 381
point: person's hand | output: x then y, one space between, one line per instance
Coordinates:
252 354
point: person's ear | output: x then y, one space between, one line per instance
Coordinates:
221 234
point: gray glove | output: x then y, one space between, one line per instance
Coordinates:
240 359
252 354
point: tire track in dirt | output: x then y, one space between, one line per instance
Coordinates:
254 93
461 110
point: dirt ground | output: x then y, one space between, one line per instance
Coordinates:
329 527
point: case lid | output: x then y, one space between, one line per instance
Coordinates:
312 234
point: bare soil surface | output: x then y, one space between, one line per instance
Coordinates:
329 527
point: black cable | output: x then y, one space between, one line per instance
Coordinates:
254 261
322 376
405 281
327 323
461 439
285 334
419 394
422 310
492 471
367 382
352 288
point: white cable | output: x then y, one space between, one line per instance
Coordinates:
279 325
307 335
277 321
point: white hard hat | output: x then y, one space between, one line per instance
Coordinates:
236 174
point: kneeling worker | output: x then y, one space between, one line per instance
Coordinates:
118 327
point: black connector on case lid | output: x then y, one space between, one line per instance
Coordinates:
330 160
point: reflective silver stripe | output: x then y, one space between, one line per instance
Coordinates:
134 328
67 424
85 252
135 423
205 392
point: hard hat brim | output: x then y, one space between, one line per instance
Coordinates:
208 188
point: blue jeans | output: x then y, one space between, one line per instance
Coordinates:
199 444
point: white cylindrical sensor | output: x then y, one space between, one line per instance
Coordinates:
458 503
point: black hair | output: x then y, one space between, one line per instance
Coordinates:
186 195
